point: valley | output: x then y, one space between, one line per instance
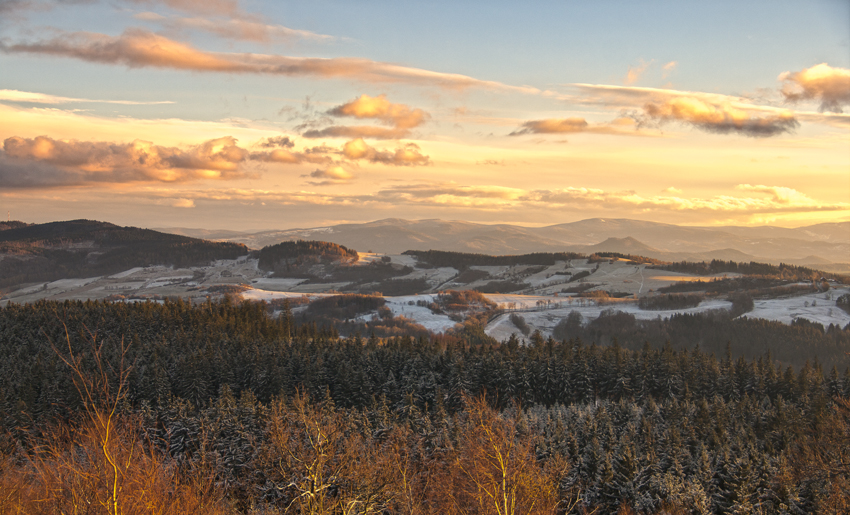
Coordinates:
544 294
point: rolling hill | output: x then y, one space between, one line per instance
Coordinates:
817 244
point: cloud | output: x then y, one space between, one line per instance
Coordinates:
399 116
755 202
830 86
214 7
668 69
13 95
43 161
238 29
480 197
183 202
778 200
719 118
359 131
12 9
672 190
331 175
12 6
407 155
552 126
839 120
766 199
780 195
278 141
631 97
635 72
138 48
278 156
284 156
623 126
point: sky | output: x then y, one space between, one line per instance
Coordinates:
255 115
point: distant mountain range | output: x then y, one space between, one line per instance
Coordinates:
820 245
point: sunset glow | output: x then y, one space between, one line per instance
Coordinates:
260 115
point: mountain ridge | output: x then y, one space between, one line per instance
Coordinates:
823 243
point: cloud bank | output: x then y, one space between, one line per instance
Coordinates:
43 161
755 201
720 118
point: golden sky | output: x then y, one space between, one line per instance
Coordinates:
255 116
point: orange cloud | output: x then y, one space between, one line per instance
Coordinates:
779 200
634 96
278 141
278 155
553 126
216 7
399 116
622 126
43 161
761 202
831 86
408 155
218 154
137 48
359 131
183 202
720 118
331 175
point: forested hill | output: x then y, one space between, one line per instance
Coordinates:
12 224
463 260
85 248
296 253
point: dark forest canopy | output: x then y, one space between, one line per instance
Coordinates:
228 395
12 224
762 270
462 261
191 351
296 253
85 248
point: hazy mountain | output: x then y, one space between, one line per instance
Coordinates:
204 234
627 245
815 244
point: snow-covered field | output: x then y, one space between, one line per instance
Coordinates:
401 306
166 281
541 310
126 273
266 283
817 307
545 319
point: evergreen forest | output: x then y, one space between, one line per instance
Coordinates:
221 408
